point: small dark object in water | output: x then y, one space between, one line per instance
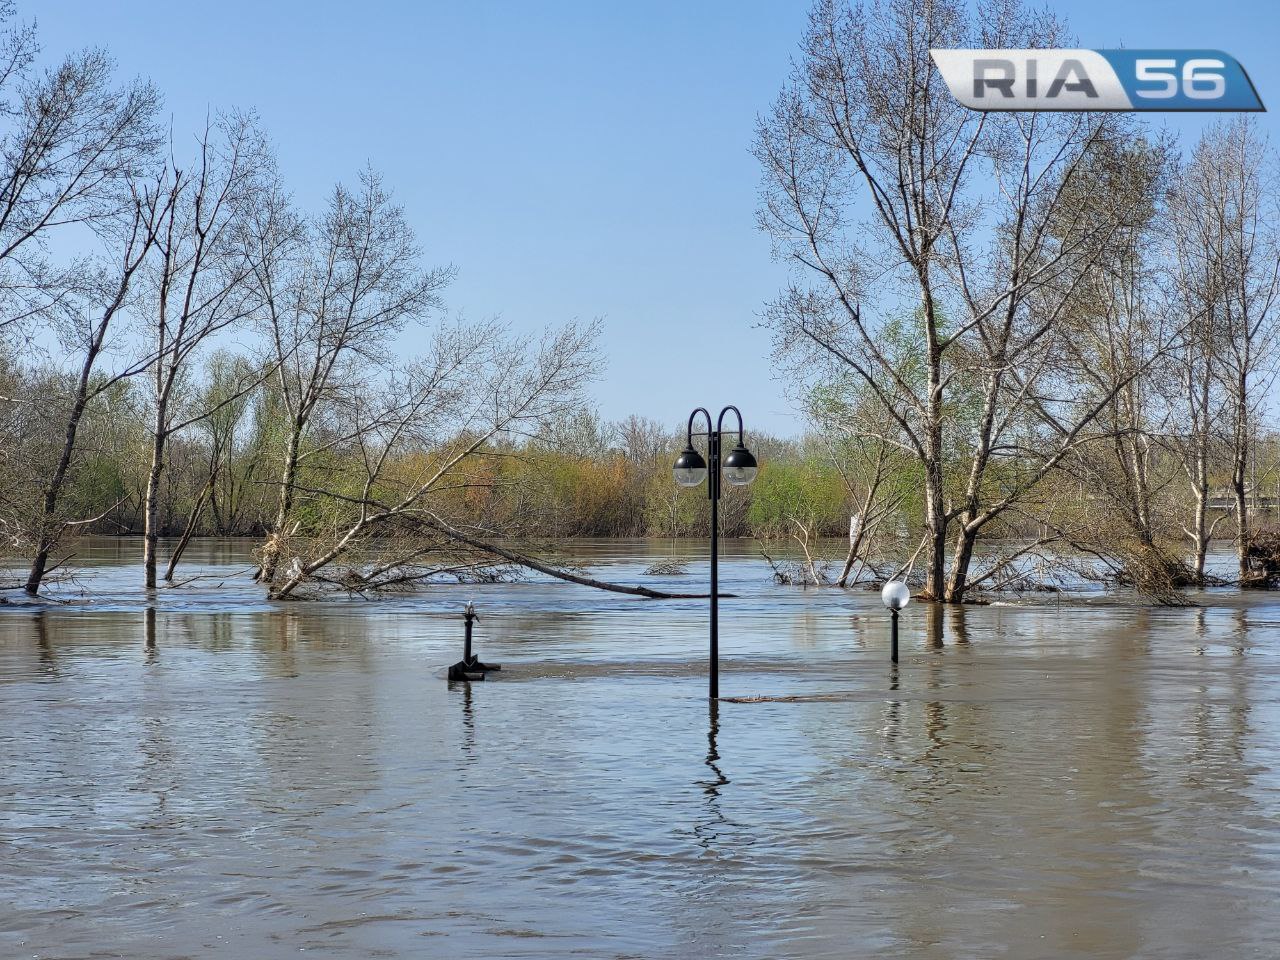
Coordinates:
667 568
470 667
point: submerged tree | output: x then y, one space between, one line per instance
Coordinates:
1236 174
335 293
198 288
885 194
419 438
1122 341
76 153
83 324
1195 292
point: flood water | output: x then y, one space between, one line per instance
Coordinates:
223 776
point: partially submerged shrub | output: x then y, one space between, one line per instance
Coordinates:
1262 551
1155 573
667 568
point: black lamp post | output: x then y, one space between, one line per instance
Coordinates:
739 468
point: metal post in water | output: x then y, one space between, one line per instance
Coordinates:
893 636
469 667
470 616
713 489
690 469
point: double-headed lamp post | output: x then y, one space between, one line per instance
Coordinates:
739 468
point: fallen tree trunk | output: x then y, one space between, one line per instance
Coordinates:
533 564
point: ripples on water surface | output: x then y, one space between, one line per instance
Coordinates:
1082 781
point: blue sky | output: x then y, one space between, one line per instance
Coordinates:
573 160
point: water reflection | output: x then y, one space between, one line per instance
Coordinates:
1048 781
712 787
1241 633
933 622
48 659
468 721
712 824
151 654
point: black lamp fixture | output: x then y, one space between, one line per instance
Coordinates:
690 469
739 467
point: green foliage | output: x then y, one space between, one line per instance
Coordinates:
809 493
97 484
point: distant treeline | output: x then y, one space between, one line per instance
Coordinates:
581 477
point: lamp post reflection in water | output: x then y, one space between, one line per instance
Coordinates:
712 787
709 832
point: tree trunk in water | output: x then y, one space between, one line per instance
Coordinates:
1201 536
1200 487
1242 513
1140 491
935 507
936 527
271 552
856 531
1240 475
1200 484
45 538
958 582
192 520
151 514
1200 529
38 563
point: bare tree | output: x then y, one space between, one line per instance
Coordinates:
200 286
1196 273
75 151
878 476
335 293
1241 206
85 336
881 190
71 143
1121 341
417 440
646 442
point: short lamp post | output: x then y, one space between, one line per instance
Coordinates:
895 596
739 468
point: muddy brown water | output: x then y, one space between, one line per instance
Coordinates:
228 777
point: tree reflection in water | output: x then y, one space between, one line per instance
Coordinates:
152 655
